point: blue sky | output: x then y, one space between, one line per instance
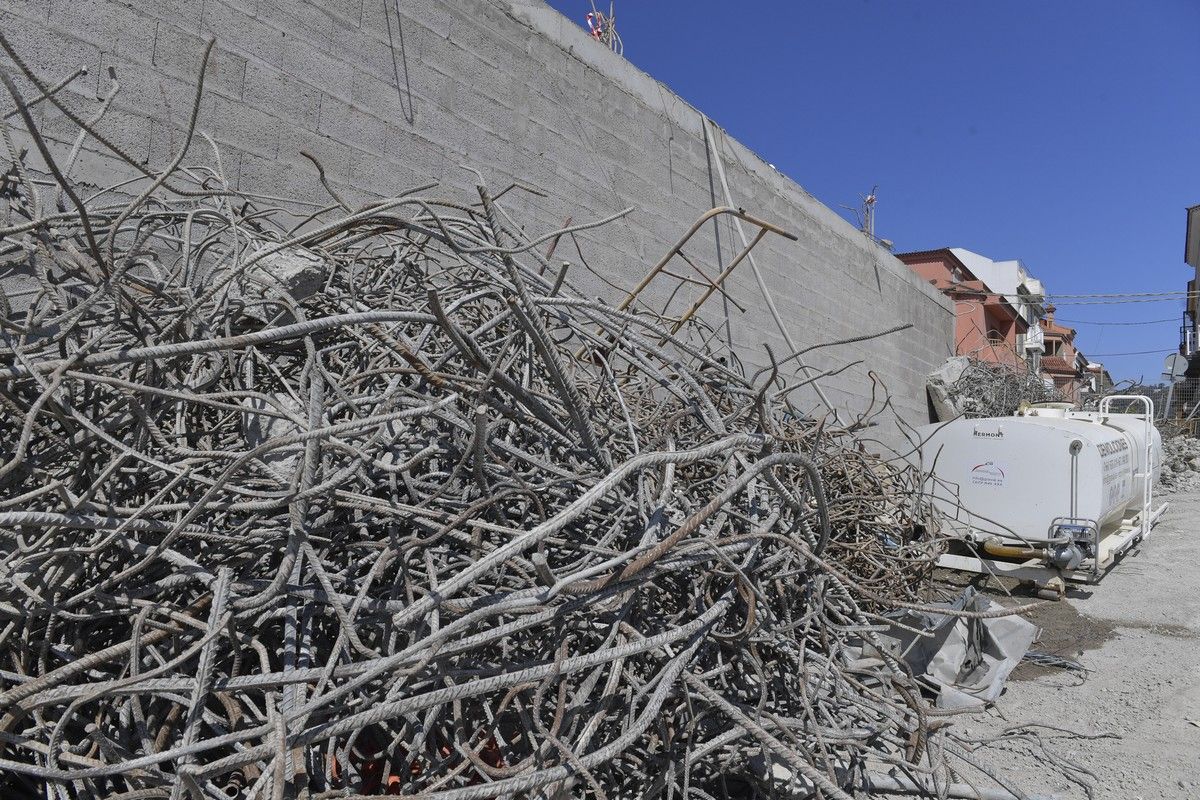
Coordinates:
1062 133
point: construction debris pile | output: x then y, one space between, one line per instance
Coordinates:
969 387
345 509
380 504
1181 464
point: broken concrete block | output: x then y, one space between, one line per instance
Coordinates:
297 271
951 370
259 426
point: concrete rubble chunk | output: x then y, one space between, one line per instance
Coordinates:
297 271
1181 464
951 370
283 278
261 423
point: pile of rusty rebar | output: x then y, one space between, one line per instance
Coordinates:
377 503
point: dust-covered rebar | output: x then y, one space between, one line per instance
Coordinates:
970 387
379 503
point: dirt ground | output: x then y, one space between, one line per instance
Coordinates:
1138 635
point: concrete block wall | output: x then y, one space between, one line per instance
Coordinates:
392 93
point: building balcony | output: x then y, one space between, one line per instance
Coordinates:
1193 302
1000 351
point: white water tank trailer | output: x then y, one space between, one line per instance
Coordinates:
1048 493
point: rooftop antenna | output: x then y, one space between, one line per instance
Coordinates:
868 205
865 213
603 27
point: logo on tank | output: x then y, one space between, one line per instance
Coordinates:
989 473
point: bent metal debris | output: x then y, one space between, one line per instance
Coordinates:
376 502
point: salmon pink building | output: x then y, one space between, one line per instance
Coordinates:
996 304
1063 363
988 325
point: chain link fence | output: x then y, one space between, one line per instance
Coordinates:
1177 408
1181 408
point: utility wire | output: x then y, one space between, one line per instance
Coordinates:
1137 353
1077 299
1114 302
1096 322
1122 294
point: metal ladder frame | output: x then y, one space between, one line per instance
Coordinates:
1147 471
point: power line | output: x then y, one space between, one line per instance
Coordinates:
1094 322
1138 353
1121 294
1082 299
1114 302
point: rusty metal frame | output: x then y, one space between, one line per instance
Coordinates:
763 226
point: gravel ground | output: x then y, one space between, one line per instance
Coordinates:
1138 633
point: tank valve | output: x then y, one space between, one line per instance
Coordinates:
1071 544
1066 555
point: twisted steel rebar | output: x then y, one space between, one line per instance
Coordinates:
382 505
996 389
